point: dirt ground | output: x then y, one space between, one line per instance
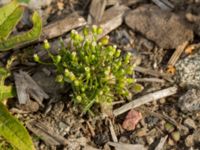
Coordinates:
153 30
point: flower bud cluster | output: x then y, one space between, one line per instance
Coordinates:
96 71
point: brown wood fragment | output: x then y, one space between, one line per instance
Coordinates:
46 133
145 99
112 131
176 55
150 80
60 27
161 143
97 8
153 73
27 88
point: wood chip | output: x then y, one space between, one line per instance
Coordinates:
164 4
112 19
161 143
123 146
150 80
176 55
46 133
60 27
97 8
112 132
153 73
145 99
27 87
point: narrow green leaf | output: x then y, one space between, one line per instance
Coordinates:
25 37
6 92
7 26
7 10
13 131
24 1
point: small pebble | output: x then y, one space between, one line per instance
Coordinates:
190 123
176 136
189 141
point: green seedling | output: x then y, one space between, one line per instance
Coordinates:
97 71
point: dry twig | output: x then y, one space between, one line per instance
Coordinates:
145 99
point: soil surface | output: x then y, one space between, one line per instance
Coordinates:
152 31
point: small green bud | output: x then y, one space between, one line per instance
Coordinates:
129 70
73 34
93 57
46 45
94 29
93 46
59 78
72 76
87 69
73 55
117 53
87 44
36 58
67 72
104 40
86 59
99 30
76 83
130 80
127 58
78 98
101 92
85 31
58 59
83 89
107 71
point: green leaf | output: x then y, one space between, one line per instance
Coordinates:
24 1
23 38
137 87
7 26
6 92
7 10
13 131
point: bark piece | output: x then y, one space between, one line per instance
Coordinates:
165 28
97 8
46 133
27 87
176 55
112 19
60 27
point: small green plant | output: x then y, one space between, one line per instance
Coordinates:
96 71
10 15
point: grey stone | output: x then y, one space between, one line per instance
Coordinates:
165 28
190 101
188 71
